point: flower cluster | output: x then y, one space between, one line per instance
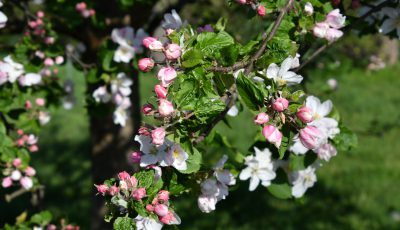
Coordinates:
84 11
36 110
28 141
118 93
17 172
329 29
215 188
157 207
156 149
129 43
256 5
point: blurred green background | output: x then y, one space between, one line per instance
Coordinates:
355 190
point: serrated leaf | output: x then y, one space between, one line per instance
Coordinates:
249 92
124 223
193 163
192 58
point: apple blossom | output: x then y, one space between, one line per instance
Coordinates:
26 183
158 136
165 107
44 117
147 223
305 114
261 118
139 193
335 19
172 21
326 151
207 203
17 162
124 175
259 169
121 85
170 218
302 180
282 75
167 75
318 109
48 62
16 175
311 137
176 157
161 210
308 8
146 64
147 41
7 182
161 92
280 104
156 46
3 18
273 135
33 148
59 60
29 171
172 51
12 69
163 195
150 208
30 79
40 101
113 190
261 11
101 95
135 157
102 189
147 109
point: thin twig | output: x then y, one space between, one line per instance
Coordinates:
315 54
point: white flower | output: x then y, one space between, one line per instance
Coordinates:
319 109
3 19
326 151
176 157
32 140
224 176
16 175
207 203
233 111
259 169
44 117
302 180
282 75
328 126
298 147
151 153
392 22
147 223
101 95
129 44
209 187
12 69
121 85
172 21
26 182
120 116
308 8
30 79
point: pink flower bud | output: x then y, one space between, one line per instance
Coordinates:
7 182
168 219
161 92
242 1
311 137
59 60
148 40
146 64
28 105
49 40
29 171
102 189
273 135
147 109
139 193
167 75
150 208
144 131
51 227
158 136
132 182
40 14
48 62
33 148
123 175
280 104
92 12
165 108
135 157
261 118
261 11
172 52
305 114
156 46
26 182
32 24
161 210
40 101
163 195
17 162
20 132
81 6
114 190
20 142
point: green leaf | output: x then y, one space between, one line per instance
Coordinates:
124 223
281 191
139 208
285 143
210 42
145 178
193 163
191 58
346 139
42 218
251 95
107 61
207 108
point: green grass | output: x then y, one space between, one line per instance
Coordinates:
355 190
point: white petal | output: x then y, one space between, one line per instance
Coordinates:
148 159
254 181
245 174
272 71
325 108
